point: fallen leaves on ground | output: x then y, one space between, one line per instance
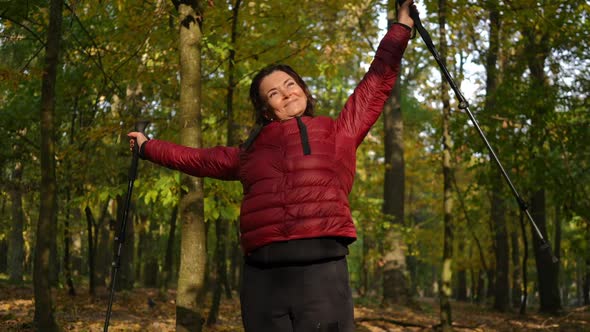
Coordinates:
147 309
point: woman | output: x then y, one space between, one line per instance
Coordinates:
297 171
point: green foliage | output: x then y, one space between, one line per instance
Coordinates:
222 200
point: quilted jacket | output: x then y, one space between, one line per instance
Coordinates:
288 194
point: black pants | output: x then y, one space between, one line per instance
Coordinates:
297 298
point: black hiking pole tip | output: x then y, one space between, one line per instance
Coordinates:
120 238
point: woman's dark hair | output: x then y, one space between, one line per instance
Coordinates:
260 104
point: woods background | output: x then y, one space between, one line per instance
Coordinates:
434 216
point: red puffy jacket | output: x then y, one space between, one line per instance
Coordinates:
289 195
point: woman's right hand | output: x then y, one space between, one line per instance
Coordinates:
136 136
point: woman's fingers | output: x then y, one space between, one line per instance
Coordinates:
136 137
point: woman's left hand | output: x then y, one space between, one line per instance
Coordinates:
403 13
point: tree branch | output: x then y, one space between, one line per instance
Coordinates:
36 36
98 62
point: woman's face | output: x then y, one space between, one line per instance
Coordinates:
284 96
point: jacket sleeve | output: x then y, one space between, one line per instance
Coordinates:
218 162
363 107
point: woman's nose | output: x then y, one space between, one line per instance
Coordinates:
284 93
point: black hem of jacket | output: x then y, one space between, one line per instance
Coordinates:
299 252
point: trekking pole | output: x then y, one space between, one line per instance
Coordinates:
140 127
463 105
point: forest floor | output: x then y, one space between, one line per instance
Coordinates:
147 310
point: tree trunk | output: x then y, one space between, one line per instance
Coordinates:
481 289
150 268
232 140
395 274
477 280
396 286
237 257
232 137
498 215
538 49
473 285
3 255
461 285
16 242
447 258
67 245
104 240
189 312
225 275
76 246
365 268
67 240
125 274
141 250
168 268
557 252
207 281
586 270
91 252
220 270
45 235
547 271
103 259
525 257
586 285
411 260
516 269
54 262
501 287
491 277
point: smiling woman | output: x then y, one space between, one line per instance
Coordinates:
297 172
285 98
271 85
